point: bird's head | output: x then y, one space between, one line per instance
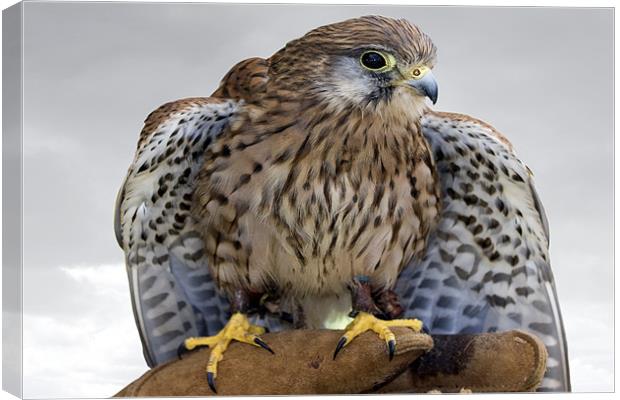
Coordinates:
372 62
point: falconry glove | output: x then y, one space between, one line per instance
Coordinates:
302 364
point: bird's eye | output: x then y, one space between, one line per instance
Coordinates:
374 61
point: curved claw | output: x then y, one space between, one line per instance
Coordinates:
264 345
391 348
425 329
211 381
182 349
339 346
368 322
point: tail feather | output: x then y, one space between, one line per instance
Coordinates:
201 291
163 313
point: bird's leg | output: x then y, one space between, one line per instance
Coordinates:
238 328
389 304
364 320
361 297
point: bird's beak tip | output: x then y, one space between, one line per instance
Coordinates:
434 99
426 86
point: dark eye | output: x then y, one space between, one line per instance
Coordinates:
373 60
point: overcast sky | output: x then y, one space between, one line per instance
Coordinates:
94 71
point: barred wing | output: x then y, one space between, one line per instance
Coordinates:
487 264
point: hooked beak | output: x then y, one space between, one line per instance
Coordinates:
424 82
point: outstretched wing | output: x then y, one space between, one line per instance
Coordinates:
487 264
172 292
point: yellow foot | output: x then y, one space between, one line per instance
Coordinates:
238 328
365 322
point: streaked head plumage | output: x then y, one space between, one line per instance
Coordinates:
359 61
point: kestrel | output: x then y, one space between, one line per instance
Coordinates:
305 175
487 264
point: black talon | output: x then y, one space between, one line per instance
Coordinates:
425 330
264 345
211 380
181 350
391 348
339 346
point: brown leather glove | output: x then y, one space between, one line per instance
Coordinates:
303 364
512 361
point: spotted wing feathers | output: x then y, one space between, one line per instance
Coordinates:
487 264
172 292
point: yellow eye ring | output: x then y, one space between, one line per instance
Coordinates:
377 61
